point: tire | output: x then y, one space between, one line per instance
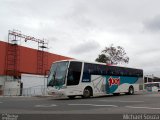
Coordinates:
71 97
131 90
87 93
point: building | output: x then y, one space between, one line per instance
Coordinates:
151 79
16 60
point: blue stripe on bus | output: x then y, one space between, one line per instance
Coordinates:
112 88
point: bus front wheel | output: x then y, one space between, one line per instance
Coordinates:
87 92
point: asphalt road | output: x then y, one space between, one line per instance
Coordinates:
142 103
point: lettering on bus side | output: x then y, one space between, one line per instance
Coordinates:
86 80
114 81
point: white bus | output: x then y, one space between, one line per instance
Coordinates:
78 78
152 86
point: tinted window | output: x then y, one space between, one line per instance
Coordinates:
121 71
74 73
96 69
93 69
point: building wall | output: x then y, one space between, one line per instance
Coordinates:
2 79
12 88
2 57
28 59
34 85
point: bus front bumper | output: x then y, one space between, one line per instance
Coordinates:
56 92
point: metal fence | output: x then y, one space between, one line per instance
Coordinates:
34 91
31 91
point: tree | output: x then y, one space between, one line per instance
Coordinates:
113 55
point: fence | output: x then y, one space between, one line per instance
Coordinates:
34 91
31 91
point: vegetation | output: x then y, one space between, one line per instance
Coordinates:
113 55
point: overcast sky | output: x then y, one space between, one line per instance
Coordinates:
82 28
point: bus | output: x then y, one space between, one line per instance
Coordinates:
152 86
73 78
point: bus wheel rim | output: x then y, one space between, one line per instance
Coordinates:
86 93
131 90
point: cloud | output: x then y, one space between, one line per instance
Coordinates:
86 47
82 28
153 24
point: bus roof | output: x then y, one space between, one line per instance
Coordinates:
95 63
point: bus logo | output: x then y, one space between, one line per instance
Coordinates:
114 81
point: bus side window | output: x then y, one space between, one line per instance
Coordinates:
70 74
74 73
86 73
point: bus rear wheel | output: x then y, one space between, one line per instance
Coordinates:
87 92
131 90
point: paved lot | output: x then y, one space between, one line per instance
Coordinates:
138 103
97 108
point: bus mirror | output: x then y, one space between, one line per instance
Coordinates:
47 73
46 76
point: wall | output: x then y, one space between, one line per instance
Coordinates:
2 79
28 60
2 57
33 85
12 88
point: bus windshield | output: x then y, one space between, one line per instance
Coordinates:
58 74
